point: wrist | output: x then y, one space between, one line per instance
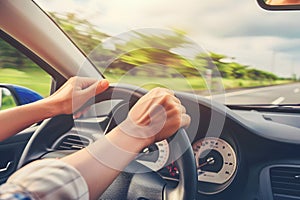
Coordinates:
144 134
51 108
128 142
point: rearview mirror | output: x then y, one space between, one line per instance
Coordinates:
13 95
279 4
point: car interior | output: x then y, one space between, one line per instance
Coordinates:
243 149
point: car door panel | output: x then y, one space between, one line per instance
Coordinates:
10 152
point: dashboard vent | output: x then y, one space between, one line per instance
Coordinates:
285 182
72 142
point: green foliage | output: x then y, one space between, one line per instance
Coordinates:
144 49
142 57
81 31
35 79
7 102
234 70
16 68
12 58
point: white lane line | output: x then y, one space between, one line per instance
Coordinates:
296 90
255 90
238 93
248 91
278 100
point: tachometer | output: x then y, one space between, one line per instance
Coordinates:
155 156
216 163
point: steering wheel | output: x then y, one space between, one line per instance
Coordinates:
148 185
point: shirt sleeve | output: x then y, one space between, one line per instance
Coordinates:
45 179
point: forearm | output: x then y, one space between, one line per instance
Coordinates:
16 119
114 153
156 116
66 100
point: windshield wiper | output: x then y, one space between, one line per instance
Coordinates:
295 108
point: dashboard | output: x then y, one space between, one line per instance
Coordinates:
216 162
254 155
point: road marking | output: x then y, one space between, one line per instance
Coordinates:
254 90
278 100
237 93
296 90
244 91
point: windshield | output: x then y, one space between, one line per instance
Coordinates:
209 48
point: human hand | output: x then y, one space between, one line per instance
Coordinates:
74 93
156 116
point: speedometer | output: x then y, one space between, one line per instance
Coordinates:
155 156
216 163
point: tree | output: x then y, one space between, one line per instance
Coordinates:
10 57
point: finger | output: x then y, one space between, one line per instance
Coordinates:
166 98
161 91
81 112
185 120
76 115
81 82
84 110
102 86
96 88
85 82
172 99
183 109
176 100
168 91
180 109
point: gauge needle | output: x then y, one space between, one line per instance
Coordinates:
209 161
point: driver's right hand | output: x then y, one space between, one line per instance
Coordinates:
156 116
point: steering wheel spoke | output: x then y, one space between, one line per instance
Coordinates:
149 185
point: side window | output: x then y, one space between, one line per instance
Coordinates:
21 80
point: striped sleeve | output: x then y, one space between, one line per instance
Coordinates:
46 179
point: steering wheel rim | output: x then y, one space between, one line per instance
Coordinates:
187 186
37 146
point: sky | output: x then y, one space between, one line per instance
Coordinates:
267 40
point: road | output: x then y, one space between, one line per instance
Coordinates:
280 94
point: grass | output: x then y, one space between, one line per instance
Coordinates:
240 83
34 79
194 83
7 102
39 81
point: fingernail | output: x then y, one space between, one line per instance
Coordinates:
104 83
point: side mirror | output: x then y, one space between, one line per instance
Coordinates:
13 95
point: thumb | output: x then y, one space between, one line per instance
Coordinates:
96 88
